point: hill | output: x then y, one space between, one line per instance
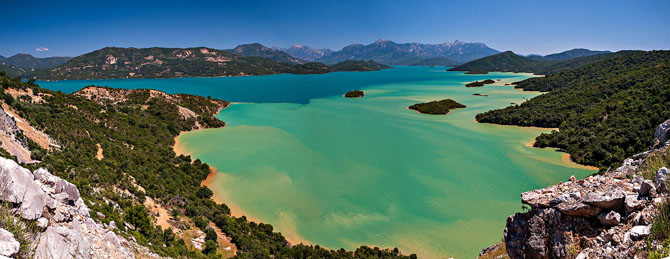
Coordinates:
258 50
27 61
12 70
439 61
306 53
508 61
358 65
568 54
391 53
604 110
114 62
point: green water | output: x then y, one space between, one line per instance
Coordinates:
344 172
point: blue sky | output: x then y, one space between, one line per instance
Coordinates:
70 28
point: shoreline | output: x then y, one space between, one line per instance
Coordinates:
291 236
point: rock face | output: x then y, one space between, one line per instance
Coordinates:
662 134
55 203
600 216
8 245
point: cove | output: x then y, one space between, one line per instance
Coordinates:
344 172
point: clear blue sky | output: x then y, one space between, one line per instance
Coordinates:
69 28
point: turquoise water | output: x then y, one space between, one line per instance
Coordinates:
345 172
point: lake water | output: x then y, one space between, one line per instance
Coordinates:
344 172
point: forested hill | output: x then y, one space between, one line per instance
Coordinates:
115 145
508 61
113 62
568 54
604 110
28 62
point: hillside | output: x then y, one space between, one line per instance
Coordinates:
391 53
508 61
568 54
603 110
439 61
172 62
306 53
258 50
12 70
115 146
358 65
27 61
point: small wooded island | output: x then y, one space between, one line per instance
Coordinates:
354 94
480 83
476 72
437 107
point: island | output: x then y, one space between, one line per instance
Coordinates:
354 94
480 83
478 94
437 107
476 72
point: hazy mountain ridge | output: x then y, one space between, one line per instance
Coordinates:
259 50
305 52
27 61
568 54
391 53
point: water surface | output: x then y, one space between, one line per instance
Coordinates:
348 172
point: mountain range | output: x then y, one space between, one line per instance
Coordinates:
305 52
28 62
573 53
258 50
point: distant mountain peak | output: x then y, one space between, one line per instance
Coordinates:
380 40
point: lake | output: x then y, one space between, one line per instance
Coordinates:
342 172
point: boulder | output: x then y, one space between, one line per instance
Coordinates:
579 209
609 219
646 188
632 203
42 222
661 180
640 232
8 245
62 242
18 187
661 134
607 200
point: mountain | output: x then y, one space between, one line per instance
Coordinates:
568 54
358 65
112 62
391 53
258 50
439 61
306 53
604 110
27 61
508 61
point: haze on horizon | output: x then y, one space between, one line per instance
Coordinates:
46 29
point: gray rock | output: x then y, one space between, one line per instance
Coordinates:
646 188
42 222
61 242
661 134
8 245
661 180
632 203
579 209
609 219
112 224
608 200
18 187
640 232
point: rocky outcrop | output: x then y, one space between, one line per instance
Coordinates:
599 216
8 245
69 231
662 134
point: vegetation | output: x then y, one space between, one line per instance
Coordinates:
605 111
136 131
174 62
510 62
480 83
476 72
354 94
258 50
437 107
568 54
12 70
27 61
438 61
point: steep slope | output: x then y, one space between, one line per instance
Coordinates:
306 53
391 53
27 61
604 110
12 70
258 50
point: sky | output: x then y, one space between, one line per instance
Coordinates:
71 28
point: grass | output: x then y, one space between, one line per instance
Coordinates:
500 253
24 231
654 161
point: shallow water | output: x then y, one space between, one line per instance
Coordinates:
344 172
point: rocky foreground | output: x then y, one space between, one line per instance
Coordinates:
53 219
601 216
